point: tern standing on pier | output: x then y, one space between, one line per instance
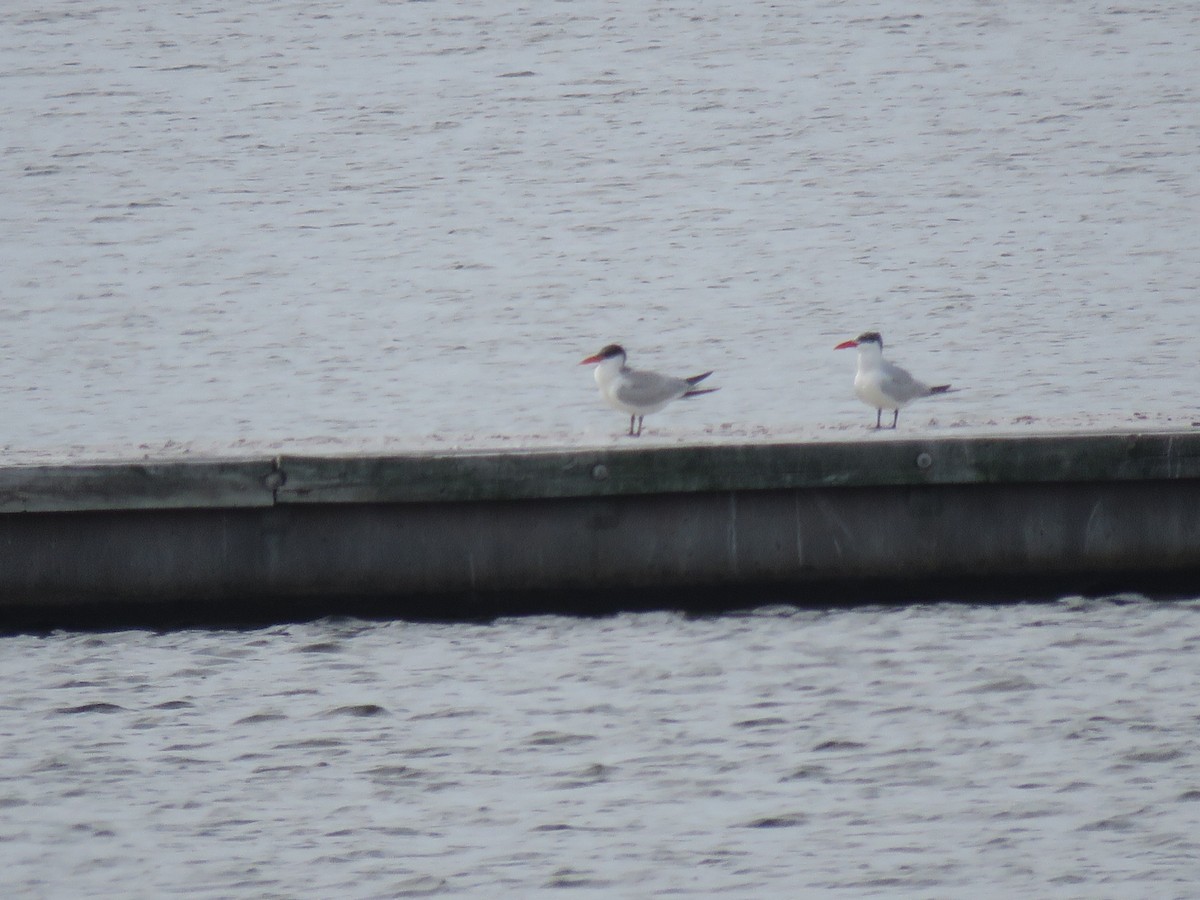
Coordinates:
881 384
638 393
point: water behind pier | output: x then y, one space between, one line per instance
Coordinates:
402 224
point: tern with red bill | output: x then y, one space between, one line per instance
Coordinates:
638 393
884 385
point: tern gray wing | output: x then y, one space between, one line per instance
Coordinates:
649 388
898 384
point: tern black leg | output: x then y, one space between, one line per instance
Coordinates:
878 417
639 431
895 417
631 418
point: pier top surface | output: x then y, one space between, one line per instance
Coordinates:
262 479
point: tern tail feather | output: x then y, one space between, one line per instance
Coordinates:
701 391
696 379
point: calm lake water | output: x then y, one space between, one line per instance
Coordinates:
1047 750
402 224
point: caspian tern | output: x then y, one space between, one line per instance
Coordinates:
638 393
881 384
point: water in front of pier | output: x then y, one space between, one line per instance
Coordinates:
1043 750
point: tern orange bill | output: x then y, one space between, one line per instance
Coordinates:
884 385
635 392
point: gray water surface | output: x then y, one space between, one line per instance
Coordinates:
280 223
933 751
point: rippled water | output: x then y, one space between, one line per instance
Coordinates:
284 223
1045 750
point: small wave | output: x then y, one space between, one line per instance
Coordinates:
838 745
363 710
259 718
1002 686
91 708
1153 756
789 820
557 738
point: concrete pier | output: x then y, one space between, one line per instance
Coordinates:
598 529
